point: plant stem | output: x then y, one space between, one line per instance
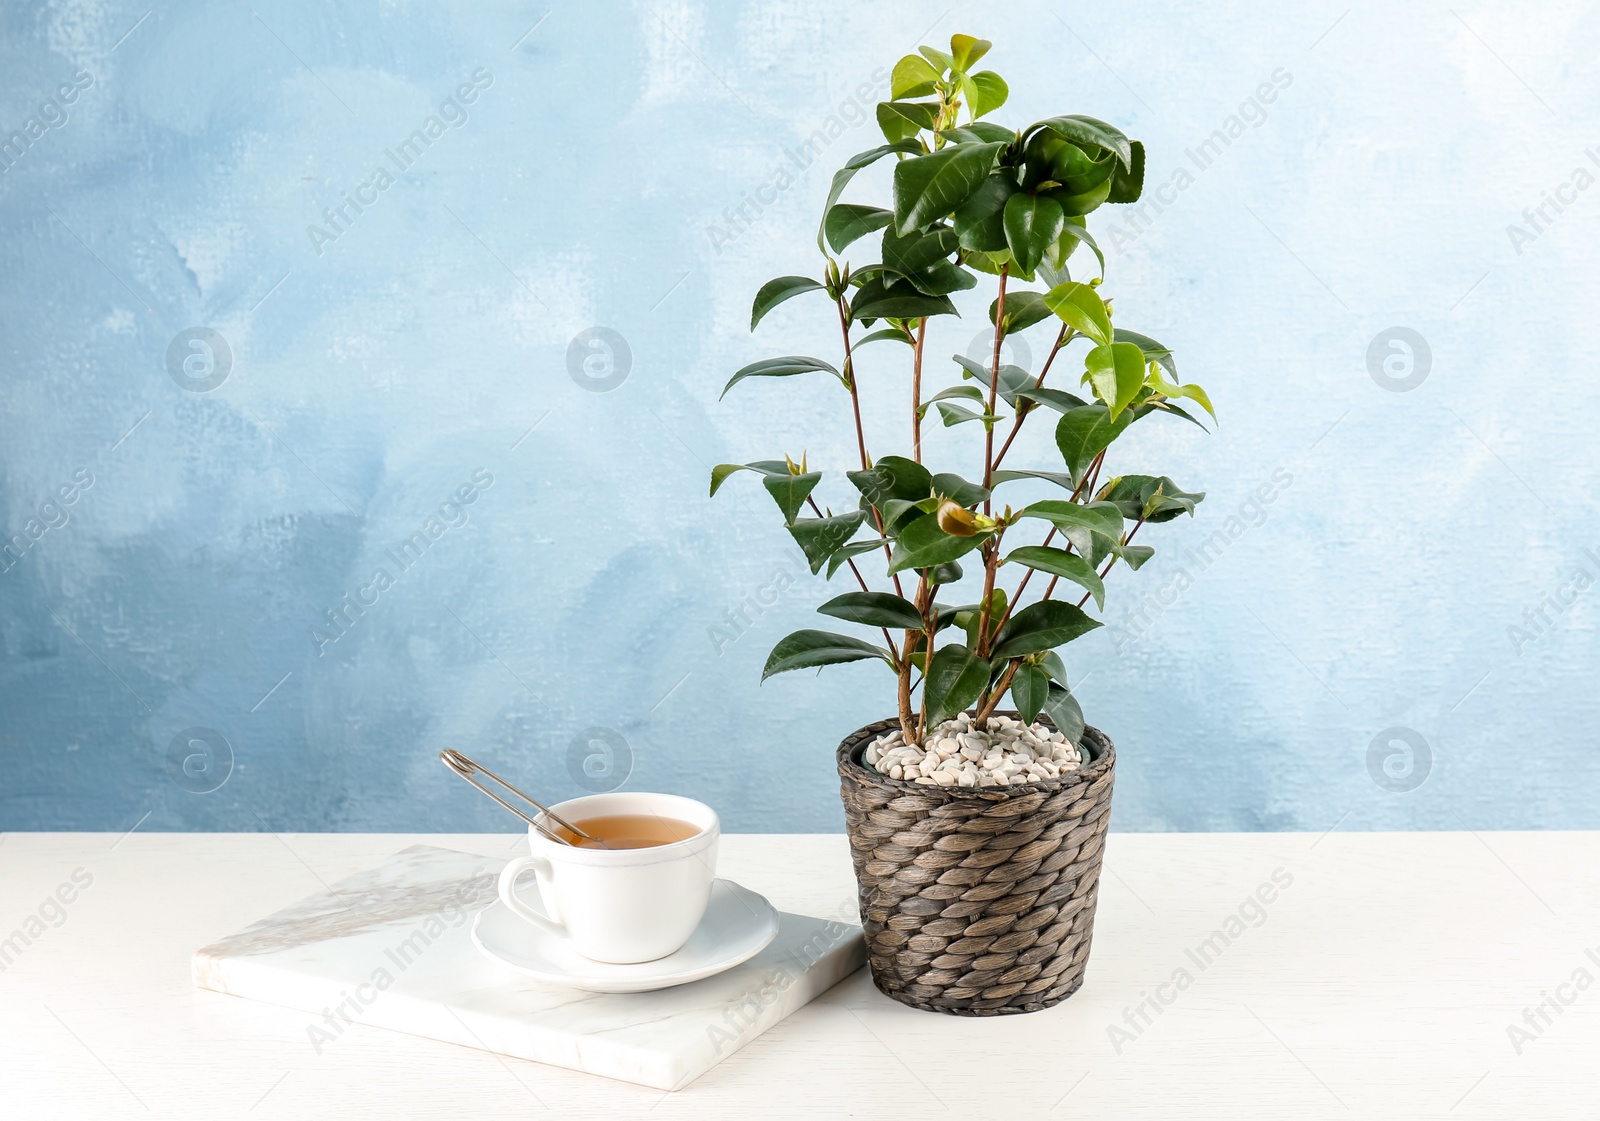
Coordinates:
916 391
991 548
908 720
994 381
989 703
928 629
908 724
861 434
1028 406
991 565
1094 479
850 377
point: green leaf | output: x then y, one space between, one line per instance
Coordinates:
893 476
1166 406
986 92
784 367
966 50
1084 433
967 618
969 392
923 259
1148 497
1047 272
1116 371
847 552
922 544
992 263
892 333
1087 131
898 299
980 220
1013 379
1059 562
902 120
1041 626
1134 555
847 221
912 77
979 132
1052 664
1023 310
958 490
1078 523
720 473
1058 399
946 573
1071 235
898 512
1079 171
842 177
953 415
1153 350
928 187
1029 688
810 649
1191 391
945 614
1066 482
1127 183
874 609
774 292
956 677
790 491
1081 308
1062 709
818 538
1033 223
937 57
1077 205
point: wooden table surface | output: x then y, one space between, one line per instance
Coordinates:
1369 975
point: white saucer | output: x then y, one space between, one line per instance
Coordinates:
738 925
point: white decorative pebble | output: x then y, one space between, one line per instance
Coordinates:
954 754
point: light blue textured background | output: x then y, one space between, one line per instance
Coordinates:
595 182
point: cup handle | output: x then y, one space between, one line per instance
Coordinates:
508 892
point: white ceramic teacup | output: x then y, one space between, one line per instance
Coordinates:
620 905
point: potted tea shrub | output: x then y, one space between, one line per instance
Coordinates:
976 832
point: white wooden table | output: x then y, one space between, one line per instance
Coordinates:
1380 982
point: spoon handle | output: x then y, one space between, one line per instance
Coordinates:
468 770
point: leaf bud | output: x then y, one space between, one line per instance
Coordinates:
956 520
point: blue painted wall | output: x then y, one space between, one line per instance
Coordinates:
252 346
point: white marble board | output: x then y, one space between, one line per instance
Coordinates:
391 948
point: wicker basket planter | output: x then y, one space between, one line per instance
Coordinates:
977 902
